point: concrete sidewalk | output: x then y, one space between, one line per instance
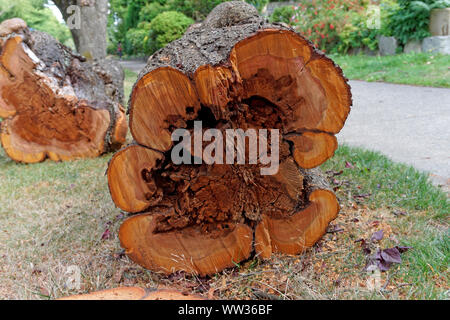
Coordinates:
133 65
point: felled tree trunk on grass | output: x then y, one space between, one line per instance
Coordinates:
53 103
233 71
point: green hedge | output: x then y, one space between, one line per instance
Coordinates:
167 27
138 40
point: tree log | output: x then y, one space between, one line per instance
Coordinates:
53 104
233 71
304 227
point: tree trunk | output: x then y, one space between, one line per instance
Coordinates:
233 71
54 104
90 37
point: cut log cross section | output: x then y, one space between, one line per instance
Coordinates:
52 103
233 71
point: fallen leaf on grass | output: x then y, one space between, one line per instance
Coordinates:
384 259
377 236
374 223
333 173
106 235
362 196
348 165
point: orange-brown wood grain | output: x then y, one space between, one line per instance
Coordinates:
49 114
203 218
189 250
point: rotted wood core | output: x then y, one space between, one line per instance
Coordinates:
235 71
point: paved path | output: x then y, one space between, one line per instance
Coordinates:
407 123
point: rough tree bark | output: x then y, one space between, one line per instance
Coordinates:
53 103
234 70
90 38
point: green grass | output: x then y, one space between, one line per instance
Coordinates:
130 79
423 221
390 184
414 69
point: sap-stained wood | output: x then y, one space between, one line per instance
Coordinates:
53 104
233 71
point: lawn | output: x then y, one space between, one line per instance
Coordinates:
57 215
416 69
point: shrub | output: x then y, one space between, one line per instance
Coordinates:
321 20
167 27
356 33
132 15
138 40
199 9
150 11
283 14
411 20
195 9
